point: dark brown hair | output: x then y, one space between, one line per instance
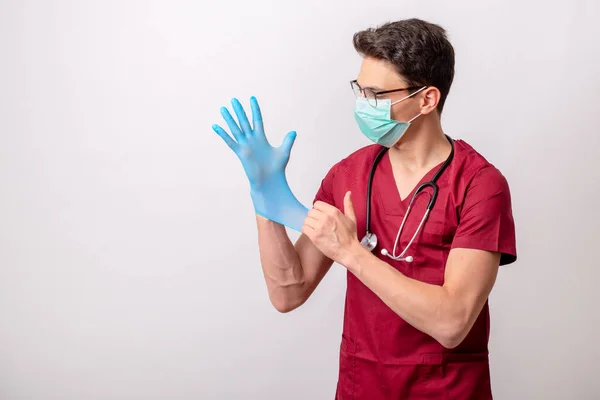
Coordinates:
419 50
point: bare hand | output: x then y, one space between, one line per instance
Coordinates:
331 231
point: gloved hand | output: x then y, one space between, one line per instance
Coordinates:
264 166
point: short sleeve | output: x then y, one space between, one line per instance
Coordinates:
326 190
486 221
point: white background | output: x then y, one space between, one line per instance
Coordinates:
128 259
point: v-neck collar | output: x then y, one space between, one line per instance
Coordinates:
388 195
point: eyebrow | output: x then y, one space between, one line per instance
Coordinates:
374 88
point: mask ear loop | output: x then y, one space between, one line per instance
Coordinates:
415 118
410 95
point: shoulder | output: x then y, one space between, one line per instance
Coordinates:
345 174
356 161
471 167
361 156
483 205
482 191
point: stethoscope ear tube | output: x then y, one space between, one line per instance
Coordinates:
407 259
432 199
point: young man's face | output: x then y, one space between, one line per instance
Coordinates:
379 75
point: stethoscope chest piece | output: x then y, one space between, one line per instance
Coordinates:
369 241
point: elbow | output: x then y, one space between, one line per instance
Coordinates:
286 298
285 305
452 333
451 341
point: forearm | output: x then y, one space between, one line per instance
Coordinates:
432 309
281 266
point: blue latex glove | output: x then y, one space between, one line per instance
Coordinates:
264 166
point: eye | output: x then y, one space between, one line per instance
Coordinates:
370 93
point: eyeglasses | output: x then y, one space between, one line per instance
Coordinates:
372 95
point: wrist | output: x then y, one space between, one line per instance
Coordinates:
267 180
354 257
273 200
268 191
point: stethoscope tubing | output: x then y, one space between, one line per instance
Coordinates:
370 239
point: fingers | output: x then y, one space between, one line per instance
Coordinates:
313 223
308 231
324 207
319 220
257 121
312 218
349 207
225 136
241 116
288 142
233 126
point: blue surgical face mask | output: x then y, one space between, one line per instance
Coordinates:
375 122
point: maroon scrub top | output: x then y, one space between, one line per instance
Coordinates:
381 355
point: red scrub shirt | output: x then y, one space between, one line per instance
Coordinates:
381 355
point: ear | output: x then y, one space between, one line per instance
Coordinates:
430 100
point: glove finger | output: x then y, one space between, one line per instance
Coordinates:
288 142
233 145
257 121
241 116
233 126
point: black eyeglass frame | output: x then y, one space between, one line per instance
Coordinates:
354 83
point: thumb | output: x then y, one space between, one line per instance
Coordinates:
349 207
288 142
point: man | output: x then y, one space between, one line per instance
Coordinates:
416 319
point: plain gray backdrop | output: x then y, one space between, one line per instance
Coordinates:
129 266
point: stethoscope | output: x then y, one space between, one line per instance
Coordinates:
369 241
